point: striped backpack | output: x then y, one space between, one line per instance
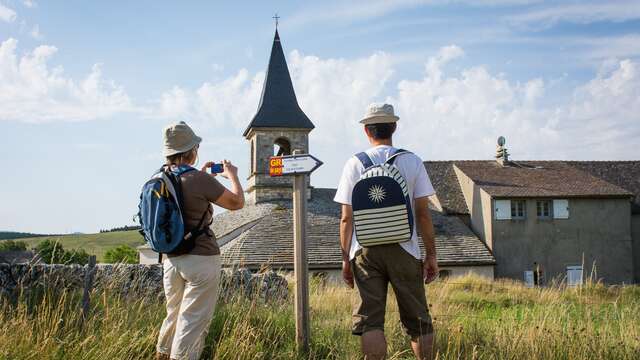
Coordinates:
381 203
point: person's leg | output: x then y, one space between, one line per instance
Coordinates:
422 346
374 345
200 296
173 291
405 275
368 315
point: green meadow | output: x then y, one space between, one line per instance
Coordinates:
474 319
94 244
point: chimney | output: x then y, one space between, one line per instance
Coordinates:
502 156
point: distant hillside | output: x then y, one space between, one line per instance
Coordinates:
10 235
94 244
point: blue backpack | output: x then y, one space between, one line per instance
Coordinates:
381 203
160 213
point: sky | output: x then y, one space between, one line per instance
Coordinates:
86 88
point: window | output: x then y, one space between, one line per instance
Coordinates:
518 209
544 209
574 275
502 209
561 209
281 147
528 278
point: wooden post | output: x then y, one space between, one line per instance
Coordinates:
88 285
300 265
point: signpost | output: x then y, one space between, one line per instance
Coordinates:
299 166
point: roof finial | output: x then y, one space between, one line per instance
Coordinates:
276 17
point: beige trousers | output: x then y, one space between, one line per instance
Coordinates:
191 288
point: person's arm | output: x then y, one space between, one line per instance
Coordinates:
425 227
346 232
230 199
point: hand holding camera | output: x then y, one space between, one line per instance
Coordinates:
225 169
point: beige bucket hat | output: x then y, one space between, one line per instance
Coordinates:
378 114
179 138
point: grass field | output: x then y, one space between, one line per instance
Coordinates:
94 244
474 319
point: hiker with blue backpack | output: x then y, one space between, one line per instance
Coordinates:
383 192
175 216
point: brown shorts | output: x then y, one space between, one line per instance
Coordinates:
373 269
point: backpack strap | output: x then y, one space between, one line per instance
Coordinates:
364 159
199 229
395 153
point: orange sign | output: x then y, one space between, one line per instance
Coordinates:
275 166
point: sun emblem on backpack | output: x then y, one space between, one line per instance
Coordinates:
377 193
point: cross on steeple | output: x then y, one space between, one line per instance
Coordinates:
276 17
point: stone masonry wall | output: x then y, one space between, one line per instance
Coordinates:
130 280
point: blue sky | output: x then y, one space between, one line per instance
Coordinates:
86 87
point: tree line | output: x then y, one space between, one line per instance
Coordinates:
121 228
10 235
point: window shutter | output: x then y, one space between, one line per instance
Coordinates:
561 209
503 209
574 275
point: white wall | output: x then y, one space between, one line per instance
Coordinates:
147 256
484 271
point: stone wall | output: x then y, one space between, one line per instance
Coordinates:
130 280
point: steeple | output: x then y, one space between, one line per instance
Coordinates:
278 106
278 128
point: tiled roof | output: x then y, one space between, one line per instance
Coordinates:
270 240
537 179
445 182
278 104
625 174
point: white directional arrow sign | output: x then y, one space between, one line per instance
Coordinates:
293 164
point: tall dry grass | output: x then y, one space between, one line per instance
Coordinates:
474 319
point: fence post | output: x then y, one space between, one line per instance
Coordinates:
88 285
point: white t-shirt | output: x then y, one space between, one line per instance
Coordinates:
414 172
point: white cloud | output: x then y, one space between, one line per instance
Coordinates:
443 116
32 91
352 11
29 3
460 116
581 13
7 14
35 32
174 103
227 103
335 92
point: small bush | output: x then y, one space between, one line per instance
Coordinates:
52 252
121 254
12 245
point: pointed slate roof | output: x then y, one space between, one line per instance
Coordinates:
278 104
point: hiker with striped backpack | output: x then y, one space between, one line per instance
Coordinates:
383 192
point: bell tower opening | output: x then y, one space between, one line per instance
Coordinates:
281 147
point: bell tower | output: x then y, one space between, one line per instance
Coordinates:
278 128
